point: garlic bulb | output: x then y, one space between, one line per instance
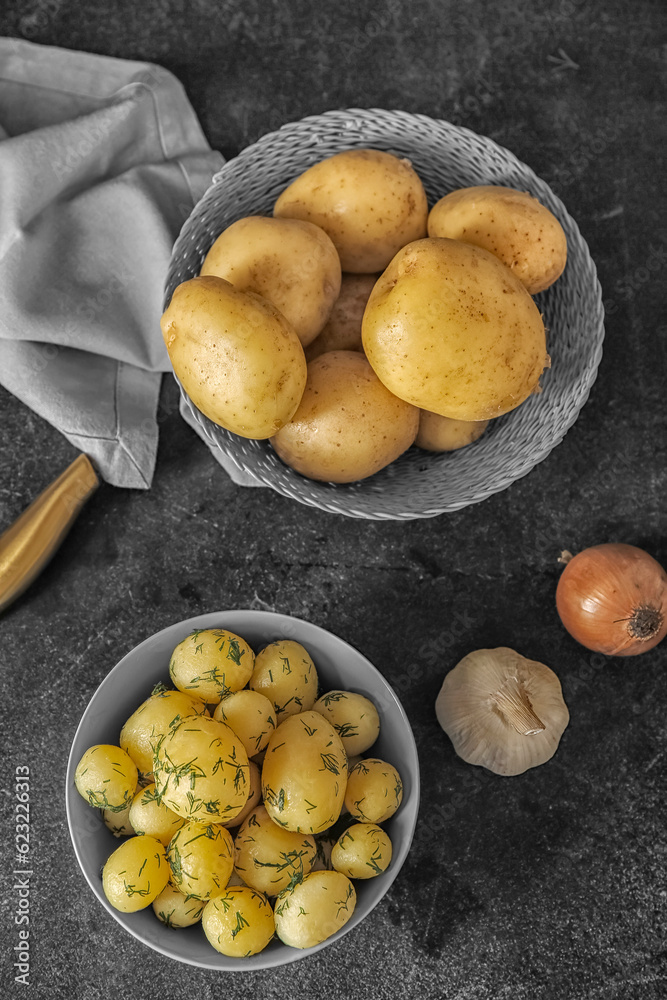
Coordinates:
502 711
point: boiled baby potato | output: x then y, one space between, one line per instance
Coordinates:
201 859
451 329
268 857
239 923
374 791
348 425
438 433
315 909
135 874
252 717
175 909
237 357
210 663
363 851
304 774
106 777
512 225
342 331
201 770
151 817
285 673
354 717
369 202
151 720
291 263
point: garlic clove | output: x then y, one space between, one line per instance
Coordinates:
502 711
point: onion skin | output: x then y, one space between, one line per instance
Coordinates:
612 599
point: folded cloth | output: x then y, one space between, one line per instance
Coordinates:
101 162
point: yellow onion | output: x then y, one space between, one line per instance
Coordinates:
612 598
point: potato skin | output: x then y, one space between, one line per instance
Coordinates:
304 774
363 851
201 770
239 923
438 433
512 225
342 331
237 357
369 202
285 673
211 663
135 874
290 262
154 716
374 791
354 717
348 425
267 857
106 777
451 329
315 909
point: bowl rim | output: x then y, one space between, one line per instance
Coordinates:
340 498
234 619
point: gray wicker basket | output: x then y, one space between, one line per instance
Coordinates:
418 484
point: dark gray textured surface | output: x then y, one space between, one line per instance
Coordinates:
547 885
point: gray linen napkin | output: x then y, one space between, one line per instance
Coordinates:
101 161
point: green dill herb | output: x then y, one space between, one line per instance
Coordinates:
345 729
330 763
235 652
333 697
286 665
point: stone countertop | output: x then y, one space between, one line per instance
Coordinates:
548 885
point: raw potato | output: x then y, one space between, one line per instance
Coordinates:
451 329
363 851
286 674
510 224
374 791
201 770
201 858
315 909
291 263
236 356
254 796
354 717
175 909
269 858
106 778
150 817
343 328
135 874
370 203
438 433
348 425
252 717
151 720
240 923
304 774
210 663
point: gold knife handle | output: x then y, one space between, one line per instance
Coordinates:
28 544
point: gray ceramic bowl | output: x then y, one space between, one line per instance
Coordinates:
339 665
